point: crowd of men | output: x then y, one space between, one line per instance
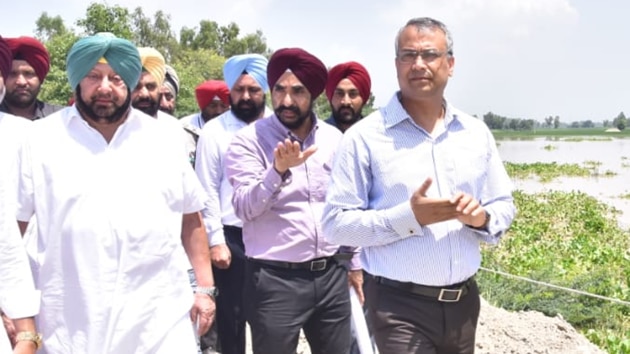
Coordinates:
138 232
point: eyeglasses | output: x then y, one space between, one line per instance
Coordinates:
427 56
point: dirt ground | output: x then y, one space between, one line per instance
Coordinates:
501 331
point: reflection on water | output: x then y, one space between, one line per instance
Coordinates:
614 155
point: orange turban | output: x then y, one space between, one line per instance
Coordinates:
306 67
33 52
153 63
211 90
354 72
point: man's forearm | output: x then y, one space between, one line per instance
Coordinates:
195 243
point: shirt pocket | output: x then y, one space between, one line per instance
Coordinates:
319 180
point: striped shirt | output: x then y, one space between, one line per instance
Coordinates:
381 161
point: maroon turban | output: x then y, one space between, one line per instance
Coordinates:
306 67
33 52
211 90
6 58
354 72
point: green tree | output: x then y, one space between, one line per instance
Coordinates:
556 122
322 108
58 39
156 34
587 124
494 121
199 55
194 67
48 27
620 122
102 18
56 88
206 38
224 40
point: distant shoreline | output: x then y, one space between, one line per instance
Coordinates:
560 132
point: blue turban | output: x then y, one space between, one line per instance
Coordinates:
119 53
253 64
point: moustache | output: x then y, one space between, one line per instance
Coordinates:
245 104
143 100
293 109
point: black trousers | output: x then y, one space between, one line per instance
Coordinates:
279 302
406 323
230 318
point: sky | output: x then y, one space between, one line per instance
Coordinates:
524 59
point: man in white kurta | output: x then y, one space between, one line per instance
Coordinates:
19 300
114 200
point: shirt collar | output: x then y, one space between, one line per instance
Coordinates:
74 115
277 124
395 113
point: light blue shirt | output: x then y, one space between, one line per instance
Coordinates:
381 161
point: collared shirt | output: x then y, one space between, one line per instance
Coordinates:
42 109
211 148
195 120
18 297
381 161
109 231
281 217
331 120
187 138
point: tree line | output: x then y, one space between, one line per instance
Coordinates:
198 54
498 122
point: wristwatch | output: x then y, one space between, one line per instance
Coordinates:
212 291
483 227
30 336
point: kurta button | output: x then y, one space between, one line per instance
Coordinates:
412 231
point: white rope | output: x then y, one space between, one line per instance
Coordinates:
579 292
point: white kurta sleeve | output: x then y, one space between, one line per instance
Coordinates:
26 203
194 194
18 297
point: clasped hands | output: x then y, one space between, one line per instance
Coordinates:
460 206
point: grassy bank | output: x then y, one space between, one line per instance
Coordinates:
547 171
571 240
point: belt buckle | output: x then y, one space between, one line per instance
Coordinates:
449 291
318 265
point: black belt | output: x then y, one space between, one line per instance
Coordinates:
450 293
314 265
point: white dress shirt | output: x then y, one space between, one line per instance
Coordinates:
213 143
